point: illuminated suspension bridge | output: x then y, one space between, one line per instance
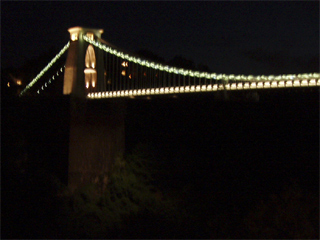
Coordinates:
125 75
94 69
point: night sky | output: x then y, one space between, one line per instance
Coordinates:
230 37
228 164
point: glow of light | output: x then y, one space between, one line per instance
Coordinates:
221 87
289 84
304 83
124 64
130 76
233 86
240 86
93 84
89 70
274 84
123 73
312 82
246 85
316 75
209 88
8 84
19 82
260 85
87 85
204 87
296 83
74 36
166 90
267 85
281 84
90 36
253 85
198 88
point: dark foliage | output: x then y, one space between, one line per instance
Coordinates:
219 170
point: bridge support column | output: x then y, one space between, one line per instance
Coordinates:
97 138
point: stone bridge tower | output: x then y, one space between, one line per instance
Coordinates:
97 135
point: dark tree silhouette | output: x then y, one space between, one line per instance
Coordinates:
144 53
182 62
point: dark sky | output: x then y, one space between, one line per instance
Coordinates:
230 37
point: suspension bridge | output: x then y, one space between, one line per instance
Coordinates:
96 69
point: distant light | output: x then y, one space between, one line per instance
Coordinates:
19 82
124 64
8 84
123 73
130 76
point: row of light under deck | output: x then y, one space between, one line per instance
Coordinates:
207 88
